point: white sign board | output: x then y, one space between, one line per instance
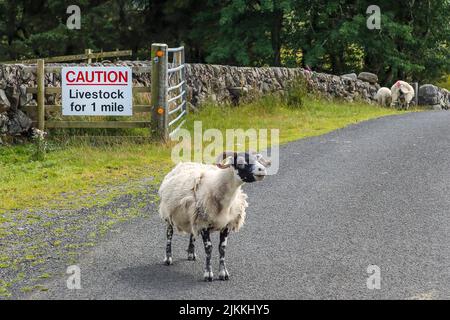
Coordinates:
96 91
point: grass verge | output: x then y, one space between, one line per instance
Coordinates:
70 174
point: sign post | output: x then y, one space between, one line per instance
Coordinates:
96 91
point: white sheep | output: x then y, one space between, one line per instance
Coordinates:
198 199
402 94
384 96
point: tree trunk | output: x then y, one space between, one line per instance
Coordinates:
336 62
389 77
277 25
11 24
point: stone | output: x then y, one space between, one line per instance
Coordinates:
24 97
429 95
4 99
350 76
265 87
368 77
445 99
3 124
19 123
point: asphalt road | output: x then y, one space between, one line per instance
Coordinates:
374 193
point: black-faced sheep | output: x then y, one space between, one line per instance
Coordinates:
384 97
199 199
402 94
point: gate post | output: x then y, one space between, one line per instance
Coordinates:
159 91
40 79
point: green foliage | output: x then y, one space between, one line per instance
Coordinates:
296 93
330 36
445 83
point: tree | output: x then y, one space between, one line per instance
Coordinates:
244 32
330 36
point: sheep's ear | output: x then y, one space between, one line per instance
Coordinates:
224 160
265 162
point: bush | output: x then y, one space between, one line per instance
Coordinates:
296 93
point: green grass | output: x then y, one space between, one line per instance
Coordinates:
71 173
316 117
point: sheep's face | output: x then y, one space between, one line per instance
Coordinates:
249 167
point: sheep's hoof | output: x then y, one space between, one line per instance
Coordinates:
192 256
168 261
224 275
208 276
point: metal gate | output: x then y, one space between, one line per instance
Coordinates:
168 89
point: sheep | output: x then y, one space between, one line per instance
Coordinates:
383 96
198 199
402 94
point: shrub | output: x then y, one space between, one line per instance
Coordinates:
296 93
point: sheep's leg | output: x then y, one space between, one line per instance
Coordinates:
191 249
223 272
208 275
169 234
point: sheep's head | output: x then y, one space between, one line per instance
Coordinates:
248 166
402 95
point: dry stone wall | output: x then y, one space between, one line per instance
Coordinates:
204 82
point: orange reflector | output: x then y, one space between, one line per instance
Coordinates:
159 53
160 110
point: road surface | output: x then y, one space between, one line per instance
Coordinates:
374 193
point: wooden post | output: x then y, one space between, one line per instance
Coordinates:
88 52
40 71
159 91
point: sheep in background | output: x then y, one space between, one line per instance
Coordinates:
199 199
402 94
384 97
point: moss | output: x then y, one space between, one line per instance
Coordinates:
4 289
56 243
29 289
45 275
30 257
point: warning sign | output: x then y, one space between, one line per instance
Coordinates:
96 91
